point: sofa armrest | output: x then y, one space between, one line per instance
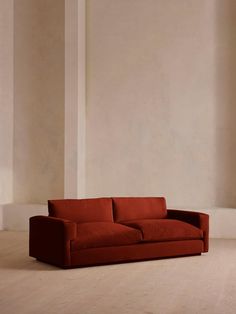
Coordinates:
197 219
50 239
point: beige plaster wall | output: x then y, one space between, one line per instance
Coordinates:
75 98
39 100
6 100
161 100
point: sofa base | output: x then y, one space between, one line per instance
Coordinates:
137 252
119 262
132 253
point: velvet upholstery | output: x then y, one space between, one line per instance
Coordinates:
165 229
83 232
135 252
132 208
50 239
101 234
82 210
199 220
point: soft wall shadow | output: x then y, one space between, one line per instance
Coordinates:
225 186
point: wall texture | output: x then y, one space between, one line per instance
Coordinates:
39 100
75 99
6 101
161 100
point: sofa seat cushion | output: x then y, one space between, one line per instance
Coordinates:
165 229
100 234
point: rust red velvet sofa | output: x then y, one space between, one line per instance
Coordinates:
86 232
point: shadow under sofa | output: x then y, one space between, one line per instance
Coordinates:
87 232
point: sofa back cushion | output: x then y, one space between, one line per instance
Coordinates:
133 208
82 210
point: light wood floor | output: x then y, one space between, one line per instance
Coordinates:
189 285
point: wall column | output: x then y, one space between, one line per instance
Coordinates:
75 97
6 104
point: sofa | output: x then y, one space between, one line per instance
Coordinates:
88 232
